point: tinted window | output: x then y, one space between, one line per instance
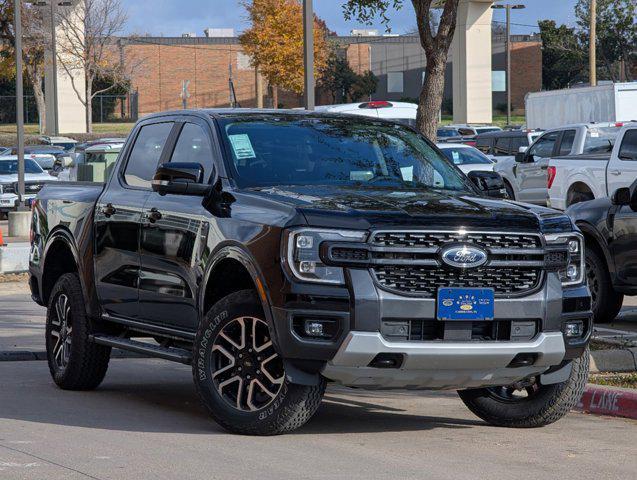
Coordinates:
447 132
517 142
628 149
466 131
543 147
144 157
465 156
269 150
502 146
194 146
568 138
484 144
600 139
10 167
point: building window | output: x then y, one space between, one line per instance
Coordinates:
499 81
395 82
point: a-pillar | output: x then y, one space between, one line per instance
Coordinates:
472 89
71 112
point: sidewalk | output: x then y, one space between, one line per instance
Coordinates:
14 252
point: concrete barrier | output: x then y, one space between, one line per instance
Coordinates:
14 258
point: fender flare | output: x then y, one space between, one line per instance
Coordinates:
588 229
61 234
237 252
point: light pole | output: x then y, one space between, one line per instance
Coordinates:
508 8
308 54
19 99
54 59
593 44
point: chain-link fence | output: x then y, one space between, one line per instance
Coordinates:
105 108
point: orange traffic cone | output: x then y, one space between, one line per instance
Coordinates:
1 239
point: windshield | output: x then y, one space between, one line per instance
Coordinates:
271 150
465 156
487 129
10 167
447 132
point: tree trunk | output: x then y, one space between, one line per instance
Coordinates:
430 101
89 107
35 77
275 97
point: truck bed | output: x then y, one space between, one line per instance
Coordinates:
589 169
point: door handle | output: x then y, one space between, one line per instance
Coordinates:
153 215
108 210
615 172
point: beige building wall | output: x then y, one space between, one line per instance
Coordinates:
472 94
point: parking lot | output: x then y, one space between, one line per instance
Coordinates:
145 421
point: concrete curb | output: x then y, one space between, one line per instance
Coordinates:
610 401
624 360
26 356
14 257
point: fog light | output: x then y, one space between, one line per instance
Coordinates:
572 272
314 328
574 329
307 267
304 241
573 246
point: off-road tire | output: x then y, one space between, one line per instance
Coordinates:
294 404
549 404
87 362
606 302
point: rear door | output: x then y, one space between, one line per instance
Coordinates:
625 238
622 168
118 220
531 174
174 235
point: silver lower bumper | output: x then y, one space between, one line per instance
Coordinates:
440 365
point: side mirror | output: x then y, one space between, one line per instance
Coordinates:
621 197
180 178
520 157
489 183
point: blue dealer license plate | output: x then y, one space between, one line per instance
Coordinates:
465 304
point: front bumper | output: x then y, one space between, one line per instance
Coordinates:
9 201
440 365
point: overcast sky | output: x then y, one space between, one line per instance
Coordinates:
174 17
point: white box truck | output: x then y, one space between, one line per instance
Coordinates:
612 102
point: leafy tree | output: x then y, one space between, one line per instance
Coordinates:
343 83
564 61
435 42
616 33
365 86
35 38
274 43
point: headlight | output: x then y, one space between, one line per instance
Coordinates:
573 273
302 253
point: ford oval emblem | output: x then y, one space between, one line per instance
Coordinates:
464 256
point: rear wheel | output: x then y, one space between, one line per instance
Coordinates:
529 404
74 361
241 378
606 303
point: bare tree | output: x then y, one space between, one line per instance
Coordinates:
34 43
89 44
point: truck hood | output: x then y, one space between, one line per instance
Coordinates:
339 207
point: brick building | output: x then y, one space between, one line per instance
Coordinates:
208 63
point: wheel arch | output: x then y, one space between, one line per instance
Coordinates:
578 187
60 256
594 241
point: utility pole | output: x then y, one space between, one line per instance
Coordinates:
54 60
19 100
508 8
308 57
593 45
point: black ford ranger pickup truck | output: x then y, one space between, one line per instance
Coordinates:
275 251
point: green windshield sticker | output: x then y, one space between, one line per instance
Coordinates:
242 146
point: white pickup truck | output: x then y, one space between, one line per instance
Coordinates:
525 176
577 178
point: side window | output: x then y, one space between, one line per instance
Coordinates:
145 154
484 145
502 146
543 147
517 142
566 145
194 145
628 148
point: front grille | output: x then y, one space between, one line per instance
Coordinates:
418 330
436 240
29 188
427 280
408 262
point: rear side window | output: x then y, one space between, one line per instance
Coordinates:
566 146
483 144
600 139
543 147
194 146
628 148
145 155
502 146
517 142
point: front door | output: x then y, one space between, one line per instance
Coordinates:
174 233
532 175
622 168
118 219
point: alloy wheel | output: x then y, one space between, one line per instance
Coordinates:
247 371
61 331
593 283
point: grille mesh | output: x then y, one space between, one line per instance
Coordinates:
433 240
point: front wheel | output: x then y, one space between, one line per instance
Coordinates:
606 303
241 378
529 404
